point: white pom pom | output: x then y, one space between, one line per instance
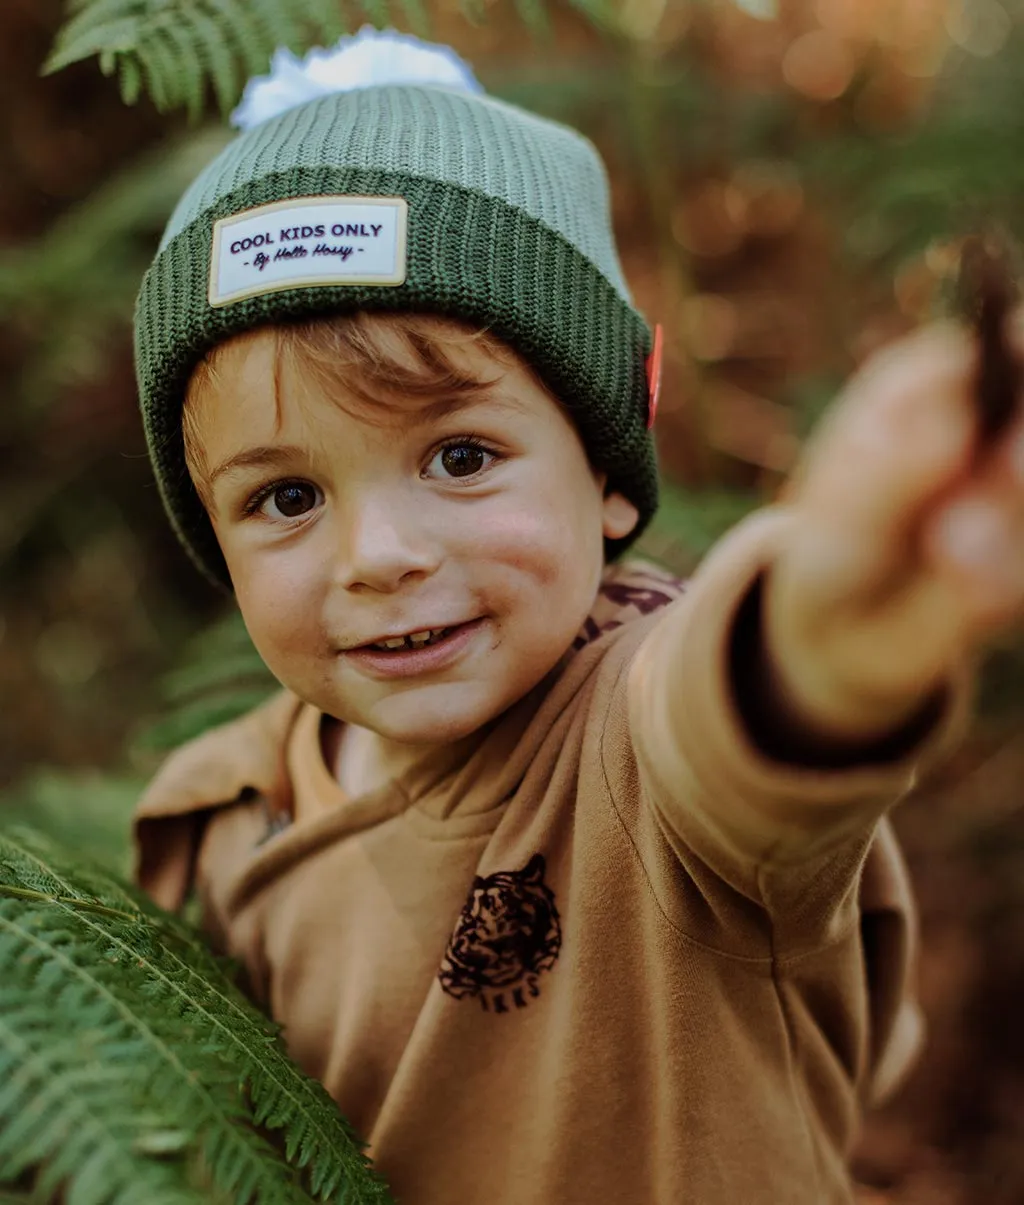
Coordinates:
369 57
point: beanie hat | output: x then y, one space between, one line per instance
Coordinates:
401 197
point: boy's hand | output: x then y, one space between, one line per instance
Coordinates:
908 550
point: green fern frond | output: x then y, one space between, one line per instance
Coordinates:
327 16
219 677
73 288
278 23
179 46
131 1069
86 811
182 50
130 79
224 71
127 211
182 723
201 676
244 35
152 72
230 40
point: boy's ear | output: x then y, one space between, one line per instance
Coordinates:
620 516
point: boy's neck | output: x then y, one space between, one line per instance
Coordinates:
362 761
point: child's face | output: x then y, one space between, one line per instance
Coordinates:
482 516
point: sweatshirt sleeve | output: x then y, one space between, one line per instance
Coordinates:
782 835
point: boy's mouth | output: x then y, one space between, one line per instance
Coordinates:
425 651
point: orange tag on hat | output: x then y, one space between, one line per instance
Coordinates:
654 376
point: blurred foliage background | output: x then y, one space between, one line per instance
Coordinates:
791 179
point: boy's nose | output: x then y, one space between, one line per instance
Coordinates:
383 545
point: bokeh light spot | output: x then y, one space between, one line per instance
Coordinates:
819 65
981 27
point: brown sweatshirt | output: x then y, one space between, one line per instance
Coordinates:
606 951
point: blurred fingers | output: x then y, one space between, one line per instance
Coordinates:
976 537
903 431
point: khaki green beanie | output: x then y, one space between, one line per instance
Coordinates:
401 197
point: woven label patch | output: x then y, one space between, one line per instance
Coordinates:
308 241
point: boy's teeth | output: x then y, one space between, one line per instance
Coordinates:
415 640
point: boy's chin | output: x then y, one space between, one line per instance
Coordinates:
438 726
442 716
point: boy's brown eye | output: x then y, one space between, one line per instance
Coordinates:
462 460
295 499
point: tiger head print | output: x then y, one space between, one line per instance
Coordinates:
507 934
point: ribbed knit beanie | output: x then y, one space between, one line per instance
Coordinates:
401 197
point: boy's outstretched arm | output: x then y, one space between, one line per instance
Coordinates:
821 658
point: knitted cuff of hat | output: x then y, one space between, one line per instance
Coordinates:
508 228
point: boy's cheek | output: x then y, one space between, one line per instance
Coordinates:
279 606
547 530
518 537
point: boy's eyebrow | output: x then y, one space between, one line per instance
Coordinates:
446 407
268 457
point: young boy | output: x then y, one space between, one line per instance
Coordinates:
570 885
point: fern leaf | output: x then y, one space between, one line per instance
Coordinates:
184 723
188 78
130 79
221 36
199 676
73 288
62 1106
131 1068
154 72
279 24
245 34
84 37
221 67
230 39
220 677
216 38
220 656
88 811
324 18
174 77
